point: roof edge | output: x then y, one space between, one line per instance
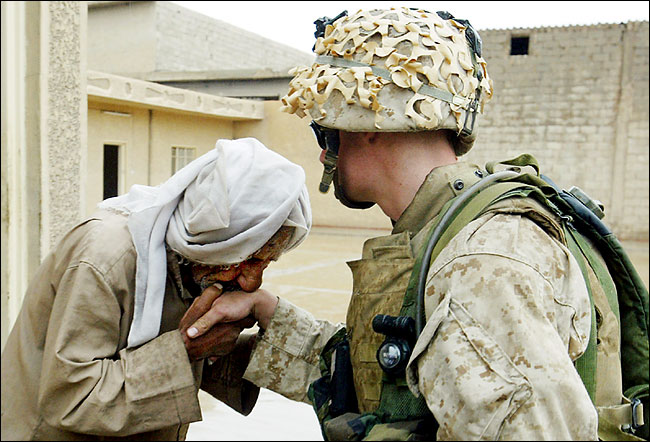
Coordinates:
153 95
230 74
539 28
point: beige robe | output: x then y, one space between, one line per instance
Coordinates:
66 371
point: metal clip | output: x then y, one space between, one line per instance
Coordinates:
637 413
461 101
565 218
594 205
637 416
472 109
329 167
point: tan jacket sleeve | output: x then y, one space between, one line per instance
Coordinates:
286 356
89 387
508 313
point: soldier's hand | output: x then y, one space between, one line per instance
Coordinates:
215 341
232 307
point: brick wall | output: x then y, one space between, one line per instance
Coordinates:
579 103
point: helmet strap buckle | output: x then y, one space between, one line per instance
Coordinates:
329 167
470 115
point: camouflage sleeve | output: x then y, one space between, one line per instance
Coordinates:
285 357
508 313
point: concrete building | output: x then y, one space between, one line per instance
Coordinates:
186 50
166 43
95 100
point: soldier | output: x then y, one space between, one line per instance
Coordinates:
99 350
395 97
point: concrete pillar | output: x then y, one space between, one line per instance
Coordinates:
44 126
619 180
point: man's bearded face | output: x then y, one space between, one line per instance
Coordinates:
246 275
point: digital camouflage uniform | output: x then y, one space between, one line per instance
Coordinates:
507 314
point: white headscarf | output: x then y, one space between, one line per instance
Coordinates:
219 209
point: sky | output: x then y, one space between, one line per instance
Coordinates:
291 22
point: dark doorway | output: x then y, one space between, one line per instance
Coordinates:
111 169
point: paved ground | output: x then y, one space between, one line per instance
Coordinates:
313 276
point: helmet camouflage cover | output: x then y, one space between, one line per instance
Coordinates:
395 70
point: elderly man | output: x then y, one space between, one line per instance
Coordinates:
98 351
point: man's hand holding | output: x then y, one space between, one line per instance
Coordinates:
230 308
217 340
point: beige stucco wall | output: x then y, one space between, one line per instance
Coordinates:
146 120
124 36
129 129
170 129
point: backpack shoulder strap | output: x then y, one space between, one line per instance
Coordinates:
499 191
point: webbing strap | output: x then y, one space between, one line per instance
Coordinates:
460 219
434 92
602 274
613 419
585 364
472 209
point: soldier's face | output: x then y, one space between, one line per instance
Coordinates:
247 275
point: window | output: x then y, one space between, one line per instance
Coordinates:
181 157
519 45
111 170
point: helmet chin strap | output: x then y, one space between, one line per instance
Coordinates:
330 174
339 193
329 167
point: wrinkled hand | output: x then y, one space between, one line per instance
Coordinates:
233 308
218 340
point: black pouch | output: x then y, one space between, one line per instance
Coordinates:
342 392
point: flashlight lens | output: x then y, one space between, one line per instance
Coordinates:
390 355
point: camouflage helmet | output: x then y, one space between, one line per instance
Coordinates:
395 70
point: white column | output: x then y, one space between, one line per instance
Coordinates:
18 247
44 126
